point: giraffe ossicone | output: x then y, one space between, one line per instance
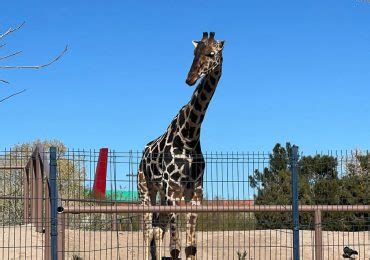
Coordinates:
173 165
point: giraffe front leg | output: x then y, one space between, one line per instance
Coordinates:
148 234
147 217
191 246
191 222
175 246
158 236
172 219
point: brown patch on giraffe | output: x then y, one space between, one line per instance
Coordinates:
140 177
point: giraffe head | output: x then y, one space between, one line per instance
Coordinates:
207 56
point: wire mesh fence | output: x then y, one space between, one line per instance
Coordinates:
246 206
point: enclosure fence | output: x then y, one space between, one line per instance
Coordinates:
278 205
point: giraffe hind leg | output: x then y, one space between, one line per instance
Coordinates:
160 222
144 198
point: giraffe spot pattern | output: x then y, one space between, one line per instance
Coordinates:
197 106
169 166
208 88
193 117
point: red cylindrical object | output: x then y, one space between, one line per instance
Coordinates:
101 175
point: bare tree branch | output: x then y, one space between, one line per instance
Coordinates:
12 95
4 81
37 66
10 55
2 36
11 30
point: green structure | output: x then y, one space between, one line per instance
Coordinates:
122 195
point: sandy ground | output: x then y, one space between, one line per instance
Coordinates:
22 242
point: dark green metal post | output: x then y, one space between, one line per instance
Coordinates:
53 203
294 172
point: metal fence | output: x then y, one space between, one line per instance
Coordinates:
247 206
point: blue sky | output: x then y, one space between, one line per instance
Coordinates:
293 71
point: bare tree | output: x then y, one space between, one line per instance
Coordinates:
10 55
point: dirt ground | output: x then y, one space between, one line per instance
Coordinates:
22 242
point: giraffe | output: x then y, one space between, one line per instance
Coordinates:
173 165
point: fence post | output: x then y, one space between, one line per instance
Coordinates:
47 248
39 198
26 205
294 176
34 194
318 235
61 236
53 203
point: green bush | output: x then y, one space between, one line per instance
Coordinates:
319 184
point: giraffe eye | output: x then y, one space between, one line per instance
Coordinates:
211 54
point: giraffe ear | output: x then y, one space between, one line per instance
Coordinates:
195 43
221 45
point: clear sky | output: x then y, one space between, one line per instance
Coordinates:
294 71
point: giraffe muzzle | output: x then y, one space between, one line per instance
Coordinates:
192 77
191 81
193 74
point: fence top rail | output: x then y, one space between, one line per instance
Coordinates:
204 209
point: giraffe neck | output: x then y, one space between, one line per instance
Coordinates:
192 114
